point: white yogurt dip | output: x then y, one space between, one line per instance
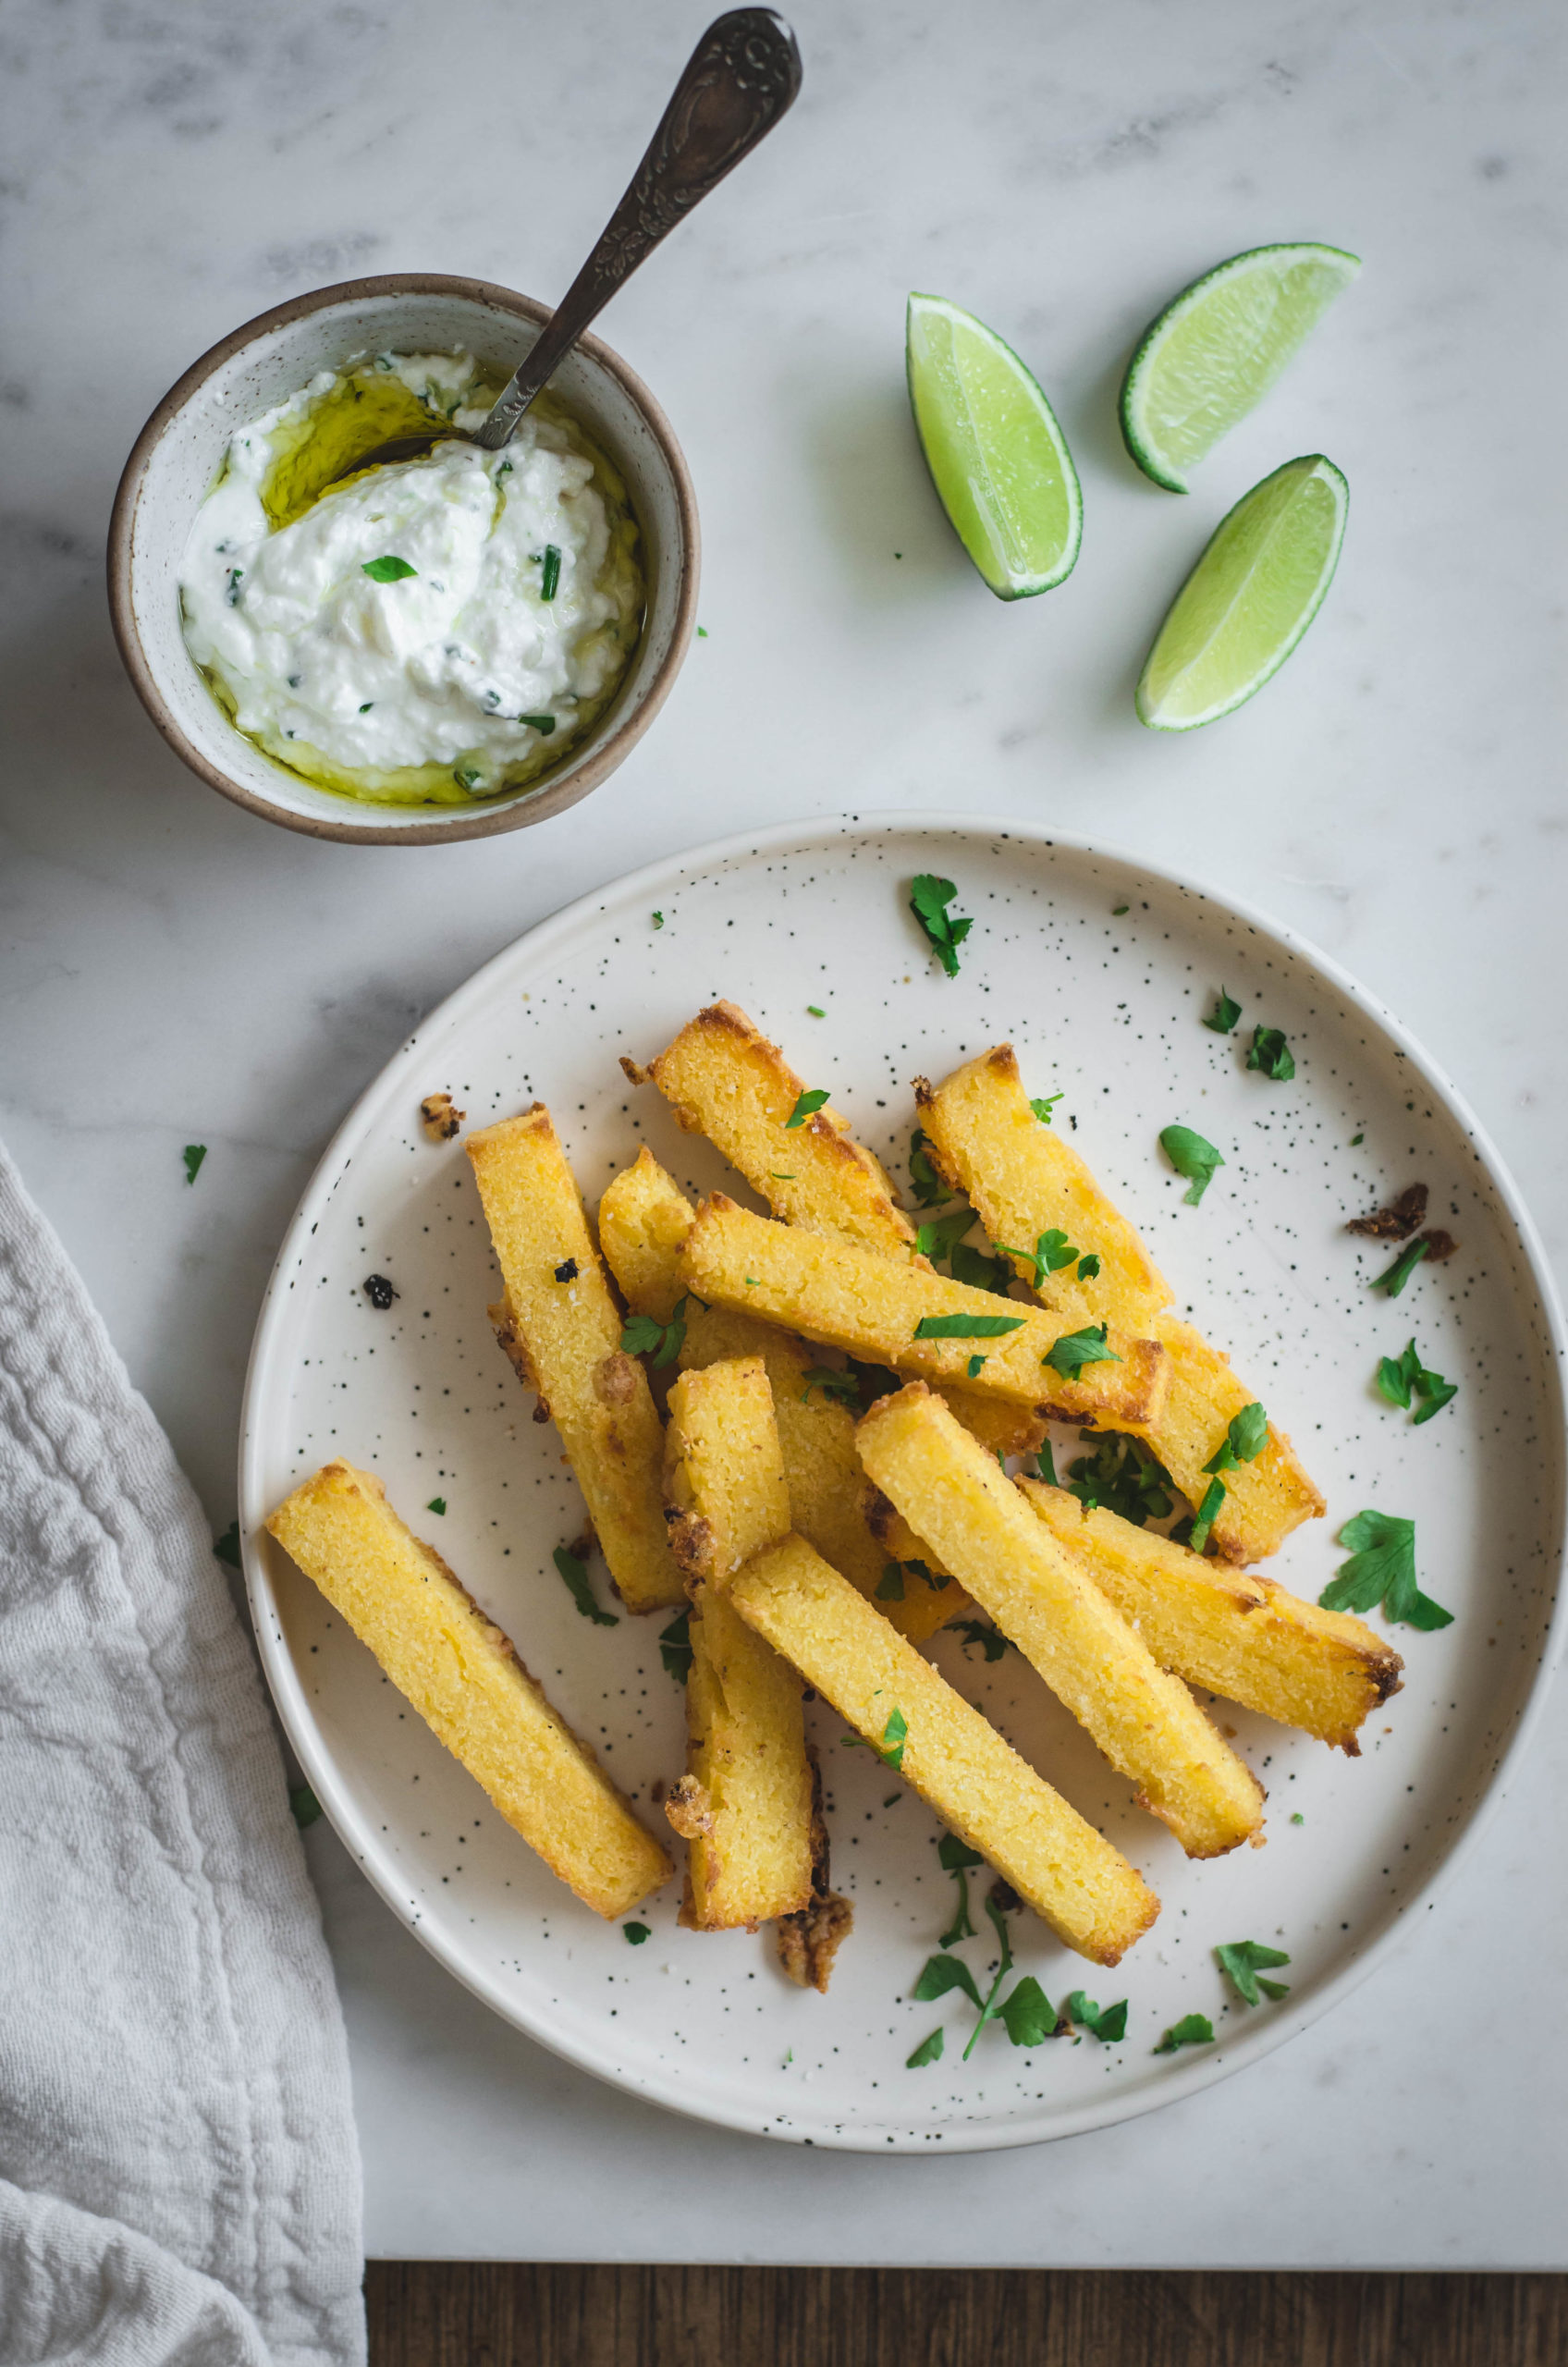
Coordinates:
433 630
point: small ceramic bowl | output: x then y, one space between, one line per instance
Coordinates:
177 453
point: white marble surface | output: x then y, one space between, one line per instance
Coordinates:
172 971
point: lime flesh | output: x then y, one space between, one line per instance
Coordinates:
1215 351
1249 599
998 458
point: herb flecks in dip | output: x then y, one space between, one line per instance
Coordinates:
429 632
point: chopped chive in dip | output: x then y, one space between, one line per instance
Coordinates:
542 724
551 577
387 568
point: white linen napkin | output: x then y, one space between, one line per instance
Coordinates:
179 2177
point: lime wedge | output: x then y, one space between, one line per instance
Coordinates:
1216 350
1249 599
997 457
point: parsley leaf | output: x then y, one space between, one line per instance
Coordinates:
1076 1349
675 1648
844 1386
1208 1513
975 1631
194 1154
1028 2015
645 1336
542 724
1243 1441
895 1734
227 1547
550 579
975 1367
1271 1054
806 1106
1108 2024
928 2050
1393 1278
658 920
938 1239
304 1804
941 1973
929 1188
1045 1464
436 1505
1400 1376
995 1910
1242 1960
576 1576
1190 1157
1042 1108
1192 2030
966 1327
1224 1016
928 899
387 569
636 1934
953 1855
921 1570
1051 1252
956 1856
1089 1266
1382 1569
981 1273
1124 1476
891 1585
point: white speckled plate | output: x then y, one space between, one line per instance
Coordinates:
1099 969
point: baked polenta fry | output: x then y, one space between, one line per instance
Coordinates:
1026 1181
745 1805
461 1672
563 1331
977 1782
914 1320
643 1220
1238 1636
1143 1718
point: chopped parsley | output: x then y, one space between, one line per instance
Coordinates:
966 1327
975 1631
940 1974
1122 1475
1045 1463
1271 1054
437 1504
929 1188
1117 911
387 569
928 2050
928 899
658 920
891 1585
814 1011
1076 1349
1356 1138
1382 1569
956 1856
1190 1157
1297 1817
551 577
980 1272
1109 2023
236 577
994 1909
938 1239
782 1175
367 706
194 1154
1051 1252
576 1576
844 1386
1208 1513
227 1547
1224 1016
1192 2030
895 1734
636 1934
1089 1266
645 1336
1243 1441
806 1106
542 724
304 1804
1402 1376
1392 1280
675 1648
975 1367
1042 1108
702 633
1028 2015
1242 1962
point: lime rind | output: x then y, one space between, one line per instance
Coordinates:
1217 348
1260 581
995 454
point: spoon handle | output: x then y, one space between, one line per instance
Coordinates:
741 77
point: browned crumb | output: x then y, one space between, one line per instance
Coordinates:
1440 1245
1398 1221
509 1341
809 1940
691 1541
688 1808
615 1383
440 1116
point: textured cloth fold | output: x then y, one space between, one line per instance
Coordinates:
179 2181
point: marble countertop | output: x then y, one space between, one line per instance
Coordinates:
173 971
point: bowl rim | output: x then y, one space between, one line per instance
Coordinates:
554 798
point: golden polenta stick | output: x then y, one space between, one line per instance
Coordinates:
643 1220
1236 1635
463 1675
832 1291
1143 1720
726 1080
565 1331
977 1783
1024 1179
745 1805
1264 1499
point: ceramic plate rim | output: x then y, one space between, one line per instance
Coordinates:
1188 2076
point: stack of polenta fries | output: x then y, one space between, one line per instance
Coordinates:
816 1549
